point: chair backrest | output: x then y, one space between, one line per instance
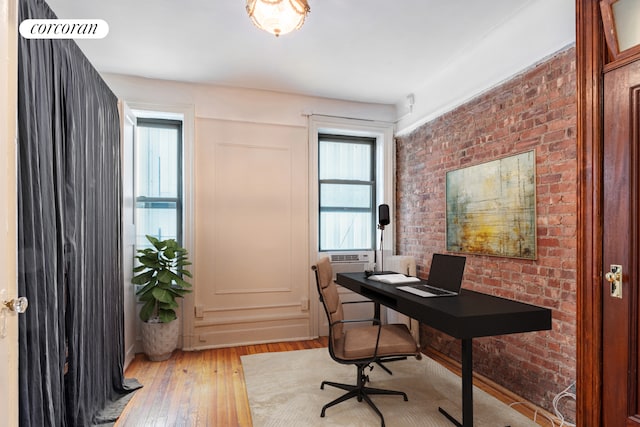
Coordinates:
329 296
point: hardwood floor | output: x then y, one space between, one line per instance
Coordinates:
196 388
207 388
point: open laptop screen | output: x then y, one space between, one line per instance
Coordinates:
446 272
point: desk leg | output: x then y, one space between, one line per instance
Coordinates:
467 387
467 383
376 311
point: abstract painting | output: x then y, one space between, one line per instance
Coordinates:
491 208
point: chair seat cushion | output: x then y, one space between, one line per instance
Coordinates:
395 340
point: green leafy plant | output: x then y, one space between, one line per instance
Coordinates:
161 271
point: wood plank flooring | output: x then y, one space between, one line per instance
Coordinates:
207 388
196 388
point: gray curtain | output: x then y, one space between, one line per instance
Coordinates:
69 201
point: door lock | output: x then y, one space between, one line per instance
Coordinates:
614 277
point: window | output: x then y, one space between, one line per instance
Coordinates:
158 180
347 192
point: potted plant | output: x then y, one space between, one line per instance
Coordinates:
160 273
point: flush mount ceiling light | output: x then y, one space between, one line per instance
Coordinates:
278 16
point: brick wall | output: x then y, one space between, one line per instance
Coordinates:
533 110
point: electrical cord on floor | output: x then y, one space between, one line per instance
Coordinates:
567 392
535 413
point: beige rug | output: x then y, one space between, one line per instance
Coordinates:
284 391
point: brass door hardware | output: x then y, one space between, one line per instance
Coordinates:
614 277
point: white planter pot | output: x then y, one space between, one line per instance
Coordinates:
160 339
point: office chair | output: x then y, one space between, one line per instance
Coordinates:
360 346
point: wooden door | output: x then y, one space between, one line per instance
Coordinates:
8 212
620 246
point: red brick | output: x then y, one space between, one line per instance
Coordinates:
534 110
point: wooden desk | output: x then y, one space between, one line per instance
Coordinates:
466 316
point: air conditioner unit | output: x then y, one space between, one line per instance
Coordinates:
350 257
350 262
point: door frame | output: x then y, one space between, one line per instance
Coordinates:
590 51
591 60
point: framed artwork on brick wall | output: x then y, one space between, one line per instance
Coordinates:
491 208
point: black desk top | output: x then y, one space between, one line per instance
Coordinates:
470 314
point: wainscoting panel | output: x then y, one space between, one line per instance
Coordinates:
251 233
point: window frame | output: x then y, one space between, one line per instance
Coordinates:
383 132
372 183
179 199
611 33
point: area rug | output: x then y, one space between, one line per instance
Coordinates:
284 390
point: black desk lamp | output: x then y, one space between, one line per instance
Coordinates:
383 219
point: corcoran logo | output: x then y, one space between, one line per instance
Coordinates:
64 28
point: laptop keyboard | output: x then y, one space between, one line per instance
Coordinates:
432 290
413 290
425 291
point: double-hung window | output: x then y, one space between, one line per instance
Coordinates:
158 180
347 192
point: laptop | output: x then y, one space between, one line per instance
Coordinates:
445 277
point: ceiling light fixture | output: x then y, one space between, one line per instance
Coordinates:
278 16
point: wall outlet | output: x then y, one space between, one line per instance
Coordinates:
199 311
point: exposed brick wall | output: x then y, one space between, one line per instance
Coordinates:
533 110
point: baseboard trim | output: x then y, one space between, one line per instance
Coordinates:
539 415
129 355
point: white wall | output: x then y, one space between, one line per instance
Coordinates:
538 30
250 255
244 105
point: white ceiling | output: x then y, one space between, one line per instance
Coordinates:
377 51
